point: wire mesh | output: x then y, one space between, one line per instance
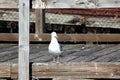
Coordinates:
76 23
9 21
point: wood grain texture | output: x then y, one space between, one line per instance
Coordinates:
8 4
65 70
23 40
5 71
77 61
73 70
96 12
66 37
72 53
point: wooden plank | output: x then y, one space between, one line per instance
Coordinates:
70 79
106 51
7 56
92 12
8 37
39 20
5 70
14 71
23 40
72 53
81 37
76 70
8 4
7 47
111 57
39 24
67 37
89 54
65 70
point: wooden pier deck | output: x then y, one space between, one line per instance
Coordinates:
77 61
72 53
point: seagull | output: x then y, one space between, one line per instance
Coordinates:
55 48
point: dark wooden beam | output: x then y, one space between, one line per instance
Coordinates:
39 20
67 37
95 12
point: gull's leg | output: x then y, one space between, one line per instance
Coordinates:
54 60
58 59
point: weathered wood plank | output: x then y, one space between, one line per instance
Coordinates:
92 12
39 53
88 50
7 47
72 53
8 56
90 37
23 40
77 70
80 53
8 4
72 70
71 79
65 70
111 57
5 70
67 37
14 71
106 51
87 55
39 20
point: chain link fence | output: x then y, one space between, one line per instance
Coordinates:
61 23
74 23
9 21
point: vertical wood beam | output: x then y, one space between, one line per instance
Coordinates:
39 23
39 20
23 40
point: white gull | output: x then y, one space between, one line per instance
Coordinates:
55 48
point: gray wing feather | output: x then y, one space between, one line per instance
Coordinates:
61 47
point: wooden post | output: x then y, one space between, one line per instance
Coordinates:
39 21
23 40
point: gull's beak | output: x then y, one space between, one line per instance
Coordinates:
56 36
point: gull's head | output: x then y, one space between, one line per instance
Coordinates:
54 34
